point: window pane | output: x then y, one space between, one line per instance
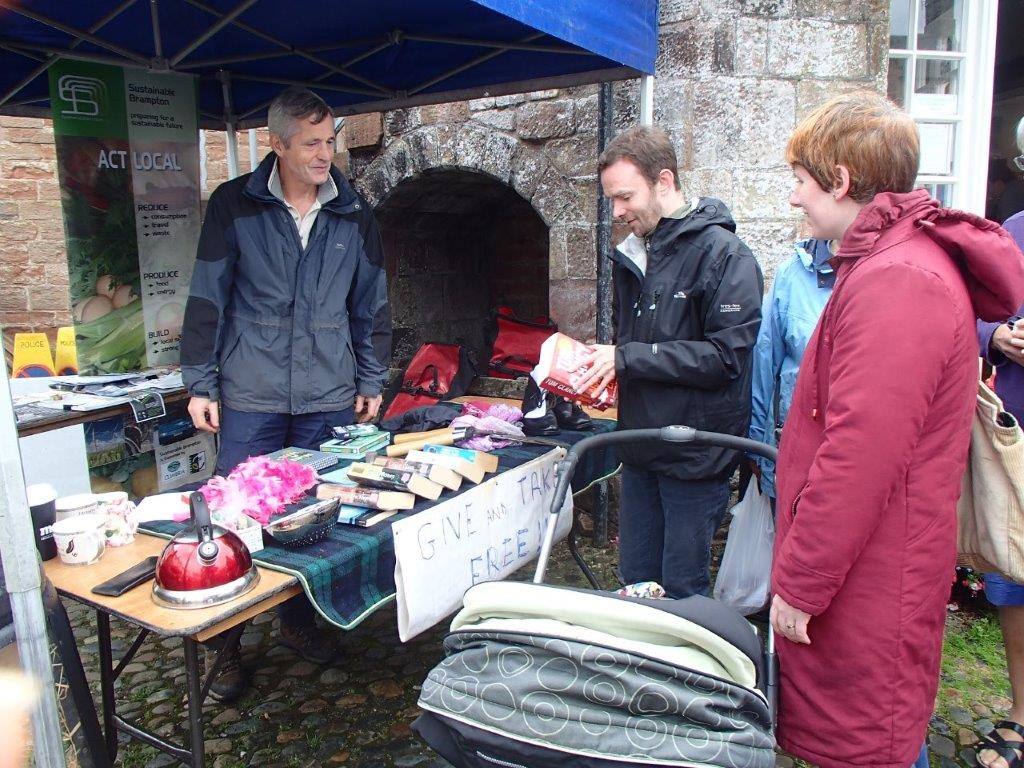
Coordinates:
936 86
897 80
939 24
899 23
937 144
941 192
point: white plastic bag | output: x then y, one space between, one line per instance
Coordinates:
744 578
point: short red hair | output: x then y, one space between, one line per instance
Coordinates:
876 141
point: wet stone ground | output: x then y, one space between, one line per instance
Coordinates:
357 710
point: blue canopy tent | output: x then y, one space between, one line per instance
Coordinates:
360 56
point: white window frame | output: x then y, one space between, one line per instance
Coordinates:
973 119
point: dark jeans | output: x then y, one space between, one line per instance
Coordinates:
244 434
665 530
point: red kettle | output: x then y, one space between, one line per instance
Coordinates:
203 565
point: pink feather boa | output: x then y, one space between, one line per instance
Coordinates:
258 487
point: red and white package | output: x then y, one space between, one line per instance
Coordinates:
560 369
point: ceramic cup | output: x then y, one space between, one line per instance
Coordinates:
120 513
78 504
80 539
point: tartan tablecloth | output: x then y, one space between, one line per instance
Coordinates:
351 573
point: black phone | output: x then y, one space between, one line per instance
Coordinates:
137 574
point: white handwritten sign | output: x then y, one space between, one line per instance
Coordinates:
483 534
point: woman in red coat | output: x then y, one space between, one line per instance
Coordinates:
876 439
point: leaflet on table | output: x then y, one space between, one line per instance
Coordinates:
80 401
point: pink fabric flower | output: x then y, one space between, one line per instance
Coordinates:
259 488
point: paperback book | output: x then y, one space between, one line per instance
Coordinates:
366 498
560 370
388 479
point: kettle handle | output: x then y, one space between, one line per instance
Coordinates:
204 527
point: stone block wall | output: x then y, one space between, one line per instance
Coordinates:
33 268
733 78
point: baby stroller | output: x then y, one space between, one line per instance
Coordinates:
537 676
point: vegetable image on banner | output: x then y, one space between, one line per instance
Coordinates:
128 161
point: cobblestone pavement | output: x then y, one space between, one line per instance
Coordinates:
357 710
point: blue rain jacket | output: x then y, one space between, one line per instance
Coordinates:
788 318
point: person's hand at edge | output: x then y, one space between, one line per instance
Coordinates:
600 365
205 414
1010 341
366 407
789 622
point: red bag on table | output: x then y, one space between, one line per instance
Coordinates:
436 372
516 347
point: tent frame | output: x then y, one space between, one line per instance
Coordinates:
379 97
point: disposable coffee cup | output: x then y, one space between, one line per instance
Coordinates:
42 499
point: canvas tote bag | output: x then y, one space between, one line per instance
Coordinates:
990 512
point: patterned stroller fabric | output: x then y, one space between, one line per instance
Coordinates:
562 677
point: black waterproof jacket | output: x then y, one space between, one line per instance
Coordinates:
272 327
688 306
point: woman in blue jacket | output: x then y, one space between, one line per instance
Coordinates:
789 314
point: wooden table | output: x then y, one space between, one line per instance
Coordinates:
193 626
63 419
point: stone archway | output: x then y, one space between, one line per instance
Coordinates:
526 169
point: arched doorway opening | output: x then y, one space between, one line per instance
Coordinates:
457 244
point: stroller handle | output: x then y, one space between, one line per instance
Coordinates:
671 434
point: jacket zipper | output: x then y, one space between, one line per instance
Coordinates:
496 761
796 500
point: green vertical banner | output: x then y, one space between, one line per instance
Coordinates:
128 160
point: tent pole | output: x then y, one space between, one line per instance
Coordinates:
21 570
231 139
254 155
158 41
647 100
604 223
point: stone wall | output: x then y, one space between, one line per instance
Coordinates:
733 77
33 269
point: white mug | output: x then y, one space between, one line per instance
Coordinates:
80 539
73 506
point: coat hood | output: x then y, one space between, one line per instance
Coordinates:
707 212
990 261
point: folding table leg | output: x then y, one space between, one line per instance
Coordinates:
107 682
195 702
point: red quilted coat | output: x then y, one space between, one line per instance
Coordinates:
869 473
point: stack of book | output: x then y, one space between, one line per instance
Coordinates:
356 447
364 506
468 464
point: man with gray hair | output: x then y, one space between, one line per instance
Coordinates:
287 331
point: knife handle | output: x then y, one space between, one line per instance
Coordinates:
405 437
401 449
